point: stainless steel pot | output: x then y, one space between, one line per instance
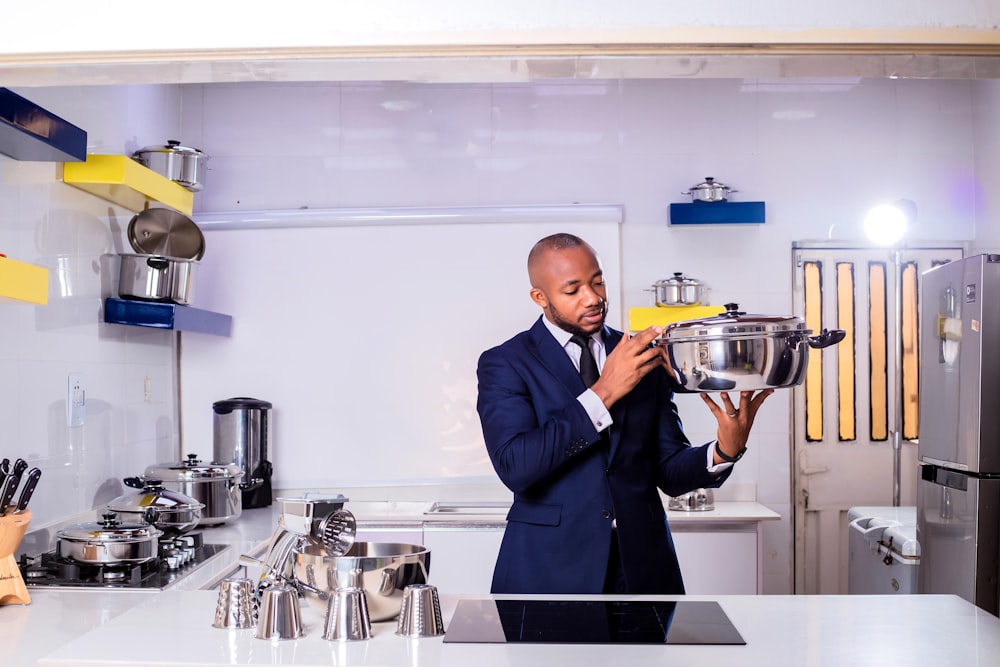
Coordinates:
156 278
216 485
739 352
709 190
184 165
108 542
170 511
678 291
699 500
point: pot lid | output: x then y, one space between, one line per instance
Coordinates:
172 146
679 280
240 403
162 231
192 470
733 323
708 183
152 495
110 529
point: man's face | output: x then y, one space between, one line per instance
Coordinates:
569 287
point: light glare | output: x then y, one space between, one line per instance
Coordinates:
885 225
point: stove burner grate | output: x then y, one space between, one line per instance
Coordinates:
178 557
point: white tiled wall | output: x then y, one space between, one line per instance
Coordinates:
76 235
820 153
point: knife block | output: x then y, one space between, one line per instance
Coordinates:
12 588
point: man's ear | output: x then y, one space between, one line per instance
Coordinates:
538 296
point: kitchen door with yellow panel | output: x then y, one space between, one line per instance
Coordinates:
855 397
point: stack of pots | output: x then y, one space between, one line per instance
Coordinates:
168 247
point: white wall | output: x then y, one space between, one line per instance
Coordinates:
75 235
818 152
986 98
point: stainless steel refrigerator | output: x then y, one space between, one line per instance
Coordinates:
958 487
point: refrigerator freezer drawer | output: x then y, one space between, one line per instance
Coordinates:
958 528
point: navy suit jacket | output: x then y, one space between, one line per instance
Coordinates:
569 484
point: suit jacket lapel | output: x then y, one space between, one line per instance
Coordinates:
550 355
554 358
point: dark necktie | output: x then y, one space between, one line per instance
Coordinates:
588 366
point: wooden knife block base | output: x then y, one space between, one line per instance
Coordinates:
12 588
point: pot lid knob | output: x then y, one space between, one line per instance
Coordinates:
109 520
192 460
733 309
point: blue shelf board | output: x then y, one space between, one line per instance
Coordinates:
29 132
717 213
166 316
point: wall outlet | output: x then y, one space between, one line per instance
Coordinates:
76 400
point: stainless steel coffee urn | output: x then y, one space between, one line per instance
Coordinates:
242 437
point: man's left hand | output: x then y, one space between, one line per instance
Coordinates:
735 423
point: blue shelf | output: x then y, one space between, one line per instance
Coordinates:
29 132
717 213
166 316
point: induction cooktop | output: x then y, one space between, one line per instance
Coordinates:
591 622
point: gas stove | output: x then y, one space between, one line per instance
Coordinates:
177 558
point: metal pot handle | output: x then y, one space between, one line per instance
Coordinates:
158 263
826 338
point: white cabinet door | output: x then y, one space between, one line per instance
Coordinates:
717 562
462 559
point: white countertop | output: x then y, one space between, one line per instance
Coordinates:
174 628
61 617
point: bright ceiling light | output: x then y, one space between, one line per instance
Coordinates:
885 225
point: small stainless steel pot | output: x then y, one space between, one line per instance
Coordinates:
709 190
699 500
156 278
171 511
109 541
678 291
739 352
184 165
216 485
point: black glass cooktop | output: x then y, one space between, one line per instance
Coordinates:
591 622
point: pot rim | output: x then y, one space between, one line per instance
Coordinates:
177 260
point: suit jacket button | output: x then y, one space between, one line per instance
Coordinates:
605 514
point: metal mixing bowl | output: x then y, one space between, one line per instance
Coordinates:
382 569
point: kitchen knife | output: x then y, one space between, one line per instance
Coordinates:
7 491
11 483
29 487
20 465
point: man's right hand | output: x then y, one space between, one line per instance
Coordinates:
630 361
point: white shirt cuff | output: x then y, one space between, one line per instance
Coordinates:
599 415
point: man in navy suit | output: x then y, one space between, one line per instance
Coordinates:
584 463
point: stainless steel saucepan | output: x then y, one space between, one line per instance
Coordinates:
739 352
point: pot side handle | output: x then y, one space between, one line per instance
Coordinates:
826 338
